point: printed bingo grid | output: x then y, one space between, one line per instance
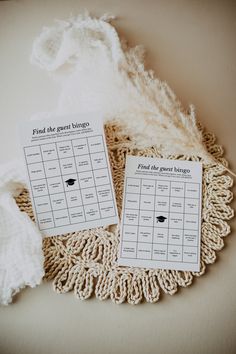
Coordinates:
160 223
71 184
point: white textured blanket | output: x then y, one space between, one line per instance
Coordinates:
21 256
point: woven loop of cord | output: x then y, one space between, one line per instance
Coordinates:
85 261
98 71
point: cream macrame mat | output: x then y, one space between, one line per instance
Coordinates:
85 261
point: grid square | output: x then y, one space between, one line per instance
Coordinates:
86 179
91 212
80 146
191 222
73 198
58 201
55 185
159 252
191 206
98 160
145 234
160 235
177 189
147 202
76 215
52 168
131 217
95 144
64 149
145 218
128 249
190 254
192 190
104 193
36 171
130 233
144 250
148 186
190 238
101 177
83 163
175 253
133 185
39 187
67 165
176 220
42 204
49 152
61 217
163 188
175 237
107 209
70 182
162 203
132 201
176 205
33 154
45 220
89 196
161 219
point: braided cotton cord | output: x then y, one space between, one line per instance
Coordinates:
85 261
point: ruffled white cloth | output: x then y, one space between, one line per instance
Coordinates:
98 71
21 255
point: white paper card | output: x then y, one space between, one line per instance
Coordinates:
69 173
161 215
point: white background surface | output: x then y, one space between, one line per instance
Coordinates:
190 44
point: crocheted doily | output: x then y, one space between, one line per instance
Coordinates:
85 261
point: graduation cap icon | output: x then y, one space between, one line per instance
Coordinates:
161 218
70 181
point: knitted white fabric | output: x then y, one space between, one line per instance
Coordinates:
21 256
99 72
